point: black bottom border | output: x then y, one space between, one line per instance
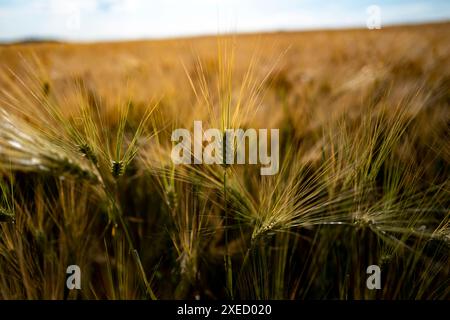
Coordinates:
273 309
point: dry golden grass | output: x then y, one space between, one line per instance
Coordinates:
87 179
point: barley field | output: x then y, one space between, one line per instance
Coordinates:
87 179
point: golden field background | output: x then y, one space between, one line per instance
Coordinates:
322 69
364 123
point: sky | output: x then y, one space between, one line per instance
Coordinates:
96 20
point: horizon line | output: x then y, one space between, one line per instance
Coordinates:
49 39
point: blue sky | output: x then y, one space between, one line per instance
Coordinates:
91 20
